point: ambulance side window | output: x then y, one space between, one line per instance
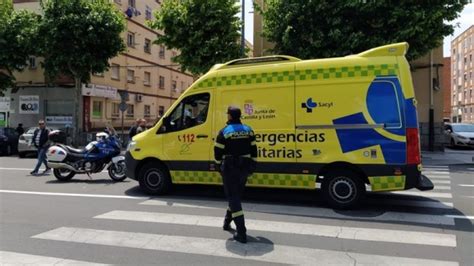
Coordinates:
190 112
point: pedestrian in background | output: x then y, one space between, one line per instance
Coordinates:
20 130
141 126
235 152
133 130
40 141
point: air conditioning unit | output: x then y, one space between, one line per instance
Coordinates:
138 98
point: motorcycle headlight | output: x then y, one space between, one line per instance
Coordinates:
131 145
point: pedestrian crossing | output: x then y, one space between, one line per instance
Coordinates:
426 223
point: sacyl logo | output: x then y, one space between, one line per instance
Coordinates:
309 105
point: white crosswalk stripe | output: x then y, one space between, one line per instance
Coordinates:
424 194
320 212
365 234
15 258
223 248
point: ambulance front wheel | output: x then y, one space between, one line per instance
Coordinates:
343 189
154 179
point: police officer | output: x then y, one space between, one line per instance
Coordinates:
235 152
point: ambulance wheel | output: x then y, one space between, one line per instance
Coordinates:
154 179
63 174
343 189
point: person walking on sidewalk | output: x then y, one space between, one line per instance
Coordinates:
40 141
235 152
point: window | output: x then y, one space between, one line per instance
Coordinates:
182 86
173 85
161 85
130 76
148 13
146 80
115 110
162 51
32 62
130 111
115 71
58 108
131 39
146 111
147 46
161 110
97 109
131 3
174 54
191 112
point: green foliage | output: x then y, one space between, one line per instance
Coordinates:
323 28
80 36
205 31
18 37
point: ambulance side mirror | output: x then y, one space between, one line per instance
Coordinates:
166 125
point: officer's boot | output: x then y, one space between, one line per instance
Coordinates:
241 234
227 220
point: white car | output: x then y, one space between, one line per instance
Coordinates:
460 135
24 142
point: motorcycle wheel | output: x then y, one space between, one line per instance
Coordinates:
62 174
117 171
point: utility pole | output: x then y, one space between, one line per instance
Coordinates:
242 38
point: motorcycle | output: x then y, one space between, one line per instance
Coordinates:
104 153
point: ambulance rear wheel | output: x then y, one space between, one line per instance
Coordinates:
343 189
154 179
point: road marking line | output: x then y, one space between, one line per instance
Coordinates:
15 258
438 177
466 185
416 203
424 194
27 169
277 209
353 233
442 188
256 251
72 194
435 172
460 216
441 181
398 217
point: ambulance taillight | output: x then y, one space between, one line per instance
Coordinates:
413 146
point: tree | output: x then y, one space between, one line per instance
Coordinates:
79 37
205 31
318 29
18 36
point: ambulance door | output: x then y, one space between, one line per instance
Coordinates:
187 136
266 97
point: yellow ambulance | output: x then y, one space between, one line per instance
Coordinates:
343 125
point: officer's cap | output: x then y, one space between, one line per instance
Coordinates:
234 112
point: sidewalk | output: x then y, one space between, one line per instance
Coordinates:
448 157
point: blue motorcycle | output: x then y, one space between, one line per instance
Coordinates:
103 153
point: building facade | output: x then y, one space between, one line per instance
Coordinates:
427 81
144 71
462 67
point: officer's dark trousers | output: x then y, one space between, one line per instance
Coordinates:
234 177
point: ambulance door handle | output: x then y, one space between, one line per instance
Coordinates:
202 136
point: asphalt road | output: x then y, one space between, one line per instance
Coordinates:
43 221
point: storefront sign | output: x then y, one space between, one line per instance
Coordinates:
29 104
65 120
4 104
99 91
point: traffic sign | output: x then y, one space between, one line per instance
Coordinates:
123 106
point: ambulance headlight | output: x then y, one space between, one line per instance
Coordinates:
131 145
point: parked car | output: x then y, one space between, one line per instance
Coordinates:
8 141
460 135
24 147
